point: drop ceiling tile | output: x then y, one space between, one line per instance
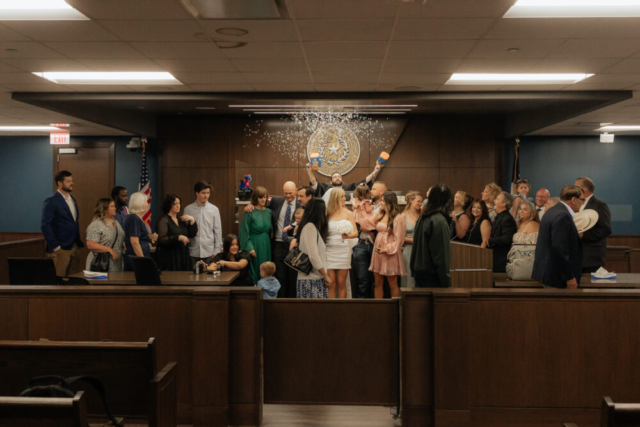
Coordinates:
528 48
598 86
21 78
122 65
28 87
27 50
514 29
629 66
596 48
636 87
189 78
338 9
95 50
291 65
268 50
154 30
279 78
441 29
342 87
221 88
496 65
5 67
573 65
455 9
54 31
610 28
39 65
269 30
196 65
330 77
280 87
9 35
612 78
345 29
346 65
345 50
399 79
127 9
431 49
420 65
175 50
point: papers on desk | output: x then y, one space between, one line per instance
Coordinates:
603 274
93 275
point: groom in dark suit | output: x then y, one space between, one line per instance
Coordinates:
594 241
558 262
60 226
502 231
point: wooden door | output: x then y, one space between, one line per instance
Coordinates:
93 170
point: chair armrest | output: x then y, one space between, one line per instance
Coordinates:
163 410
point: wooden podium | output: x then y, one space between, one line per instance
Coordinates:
471 266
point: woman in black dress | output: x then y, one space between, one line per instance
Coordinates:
173 236
480 229
233 259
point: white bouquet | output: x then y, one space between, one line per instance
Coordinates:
345 227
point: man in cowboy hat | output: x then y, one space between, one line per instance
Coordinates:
558 261
594 241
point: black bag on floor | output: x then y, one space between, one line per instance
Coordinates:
61 389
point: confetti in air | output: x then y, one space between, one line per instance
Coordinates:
290 135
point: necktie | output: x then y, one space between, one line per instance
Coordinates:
287 222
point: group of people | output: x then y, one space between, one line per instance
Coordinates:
379 238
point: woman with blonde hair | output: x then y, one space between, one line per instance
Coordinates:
412 213
529 224
460 220
341 239
491 191
105 235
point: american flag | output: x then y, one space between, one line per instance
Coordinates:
144 186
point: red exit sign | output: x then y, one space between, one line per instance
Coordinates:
59 138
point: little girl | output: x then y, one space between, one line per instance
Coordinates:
523 187
363 209
292 229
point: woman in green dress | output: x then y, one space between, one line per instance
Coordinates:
254 232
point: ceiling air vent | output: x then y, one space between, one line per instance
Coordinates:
236 9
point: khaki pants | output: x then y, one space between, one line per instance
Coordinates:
65 260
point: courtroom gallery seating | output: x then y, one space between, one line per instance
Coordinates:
146 271
43 411
616 414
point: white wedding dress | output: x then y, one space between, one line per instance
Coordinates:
338 249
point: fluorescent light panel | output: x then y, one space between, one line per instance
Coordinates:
574 9
28 128
109 78
38 10
620 128
515 79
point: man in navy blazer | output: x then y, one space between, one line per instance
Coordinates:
60 226
558 261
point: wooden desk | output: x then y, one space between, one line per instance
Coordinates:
170 278
623 281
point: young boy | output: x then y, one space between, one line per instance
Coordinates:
268 283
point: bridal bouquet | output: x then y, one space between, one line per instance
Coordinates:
345 227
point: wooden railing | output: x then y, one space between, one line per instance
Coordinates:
22 248
471 266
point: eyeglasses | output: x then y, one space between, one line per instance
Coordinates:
582 200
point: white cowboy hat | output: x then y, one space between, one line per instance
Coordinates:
585 220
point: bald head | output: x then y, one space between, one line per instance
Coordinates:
542 196
289 191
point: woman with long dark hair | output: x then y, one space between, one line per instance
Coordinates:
431 254
311 238
480 230
386 260
232 258
174 232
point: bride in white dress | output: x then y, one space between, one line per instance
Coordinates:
340 242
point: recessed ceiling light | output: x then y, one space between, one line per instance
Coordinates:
28 128
109 78
230 31
619 128
38 10
518 79
574 9
230 45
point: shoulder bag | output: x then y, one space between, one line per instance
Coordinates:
101 260
298 260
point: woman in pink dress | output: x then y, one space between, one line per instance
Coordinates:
387 255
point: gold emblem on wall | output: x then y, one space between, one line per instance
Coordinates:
338 147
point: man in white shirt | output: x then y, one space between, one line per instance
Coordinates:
542 196
208 241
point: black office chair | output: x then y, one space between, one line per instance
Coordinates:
146 271
32 271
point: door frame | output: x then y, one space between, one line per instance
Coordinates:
76 144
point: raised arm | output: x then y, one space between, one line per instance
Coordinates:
312 178
373 175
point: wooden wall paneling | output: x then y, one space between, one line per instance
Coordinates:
467 141
11 236
540 417
471 279
385 139
465 255
618 259
631 241
263 149
245 379
14 319
204 147
408 179
309 347
471 180
34 248
634 261
270 178
417 358
131 318
417 147
210 351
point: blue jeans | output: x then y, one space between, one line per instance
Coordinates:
361 262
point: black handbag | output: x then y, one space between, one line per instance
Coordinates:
299 261
100 261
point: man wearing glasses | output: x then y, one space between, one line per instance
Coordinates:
558 260
594 240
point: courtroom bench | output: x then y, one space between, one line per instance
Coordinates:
44 411
618 259
134 389
616 414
